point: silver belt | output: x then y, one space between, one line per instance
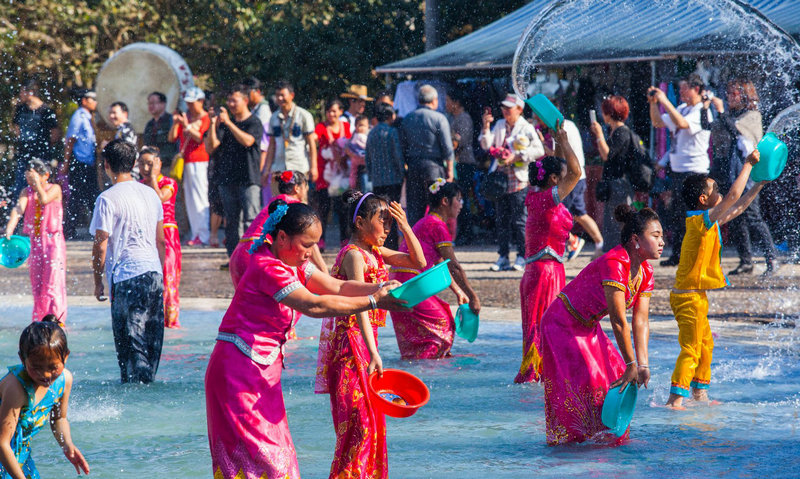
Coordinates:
247 350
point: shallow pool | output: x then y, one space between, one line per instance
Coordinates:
477 424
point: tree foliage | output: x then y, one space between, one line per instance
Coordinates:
321 46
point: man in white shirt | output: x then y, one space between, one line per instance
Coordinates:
128 250
514 143
689 152
576 201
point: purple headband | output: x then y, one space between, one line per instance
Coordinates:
355 214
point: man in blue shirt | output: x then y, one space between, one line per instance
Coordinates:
79 161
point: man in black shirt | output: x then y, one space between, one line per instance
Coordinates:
156 131
35 128
234 137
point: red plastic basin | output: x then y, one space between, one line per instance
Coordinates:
394 382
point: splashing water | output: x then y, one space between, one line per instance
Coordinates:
564 29
786 121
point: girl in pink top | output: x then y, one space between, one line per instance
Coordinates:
248 430
427 332
40 205
348 351
166 189
293 188
546 234
579 362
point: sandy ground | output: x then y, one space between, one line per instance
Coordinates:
205 286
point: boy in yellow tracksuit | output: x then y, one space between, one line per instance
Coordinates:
699 270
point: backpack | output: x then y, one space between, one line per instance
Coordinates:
639 167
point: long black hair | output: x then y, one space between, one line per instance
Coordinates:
539 171
298 218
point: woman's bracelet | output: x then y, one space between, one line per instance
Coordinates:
644 366
382 284
632 361
373 305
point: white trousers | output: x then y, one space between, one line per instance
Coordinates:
195 192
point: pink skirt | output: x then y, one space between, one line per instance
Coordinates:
172 277
248 431
427 332
541 283
578 365
47 267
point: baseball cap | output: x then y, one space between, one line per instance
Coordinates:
194 94
513 100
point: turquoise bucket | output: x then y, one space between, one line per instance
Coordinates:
618 408
14 251
466 323
774 154
546 111
424 285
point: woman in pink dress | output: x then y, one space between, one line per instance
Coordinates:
427 332
546 233
248 430
166 189
348 349
579 363
292 188
43 220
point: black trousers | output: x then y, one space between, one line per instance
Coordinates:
392 192
137 319
751 224
421 173
321 202
677 213
511 218
83 191
466 183
238 201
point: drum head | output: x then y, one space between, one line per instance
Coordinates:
135 72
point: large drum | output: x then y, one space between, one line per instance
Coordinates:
136 71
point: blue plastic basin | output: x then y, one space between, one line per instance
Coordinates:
466 323
14 251
424 285
774 154
618 409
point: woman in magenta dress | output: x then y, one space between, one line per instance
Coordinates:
248 430
348 346
166 189
43 221
427 332
292 188
579 362
546 233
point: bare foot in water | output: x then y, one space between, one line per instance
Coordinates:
675 402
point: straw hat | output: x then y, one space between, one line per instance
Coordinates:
357 91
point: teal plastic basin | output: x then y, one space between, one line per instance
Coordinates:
774 154
424 285
14 251
466 323
618 409
546 111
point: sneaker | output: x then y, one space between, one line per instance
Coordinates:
502 264
195 242
519 264
772 267
743 268
574 246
